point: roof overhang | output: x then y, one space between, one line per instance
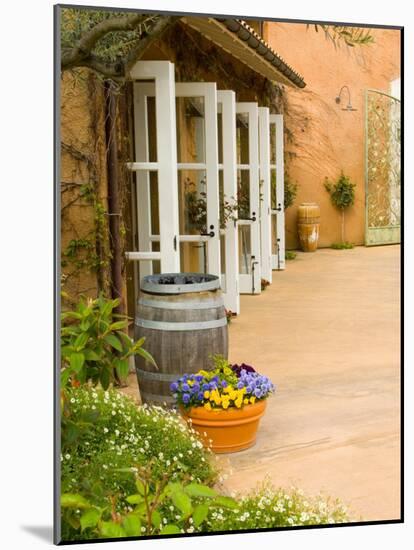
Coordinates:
242 42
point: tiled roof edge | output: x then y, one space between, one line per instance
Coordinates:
256 42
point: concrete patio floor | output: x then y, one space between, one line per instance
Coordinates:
327 333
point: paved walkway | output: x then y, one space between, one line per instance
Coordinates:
327 333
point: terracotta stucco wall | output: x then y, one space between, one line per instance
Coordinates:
325 139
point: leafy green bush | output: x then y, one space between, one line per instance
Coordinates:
94 344
291 190
159 508
269 507
104 433
342 246
290 255
342 191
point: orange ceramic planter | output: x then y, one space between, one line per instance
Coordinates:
230 430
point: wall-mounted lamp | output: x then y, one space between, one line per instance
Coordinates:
338 99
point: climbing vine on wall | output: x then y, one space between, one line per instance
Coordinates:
83 204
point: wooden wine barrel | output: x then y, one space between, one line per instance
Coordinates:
308 226
183 320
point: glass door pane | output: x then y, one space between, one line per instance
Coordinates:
198 193
277 191
227 144
248 197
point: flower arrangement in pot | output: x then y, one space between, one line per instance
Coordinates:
224 404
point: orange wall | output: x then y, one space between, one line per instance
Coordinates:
325 138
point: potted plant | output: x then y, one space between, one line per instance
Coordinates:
225 404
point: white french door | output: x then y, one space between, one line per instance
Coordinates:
265 216
155 166
226 118
196 202
247 135
277 186
198 178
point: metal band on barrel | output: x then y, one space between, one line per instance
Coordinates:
162 376
192 325
158 304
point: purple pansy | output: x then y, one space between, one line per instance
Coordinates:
238 368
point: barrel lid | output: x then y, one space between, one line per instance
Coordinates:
179 283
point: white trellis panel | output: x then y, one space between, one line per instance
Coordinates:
249 283
278 256
227 101
265 216
162 73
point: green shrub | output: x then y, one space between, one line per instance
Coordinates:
271 508
156 508
105 432
290 255
291 190
94 344
342 246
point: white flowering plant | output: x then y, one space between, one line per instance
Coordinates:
105 432
120 460
267 507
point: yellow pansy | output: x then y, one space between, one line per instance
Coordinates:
207 406
252 399
225 403
246 401
206 394
238 402
215 396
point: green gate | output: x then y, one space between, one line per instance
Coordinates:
382 168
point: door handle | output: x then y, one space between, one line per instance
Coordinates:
279 207
253 217
210 233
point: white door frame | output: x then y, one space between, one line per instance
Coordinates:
227 99
278 255
162 72
250 283
265 217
